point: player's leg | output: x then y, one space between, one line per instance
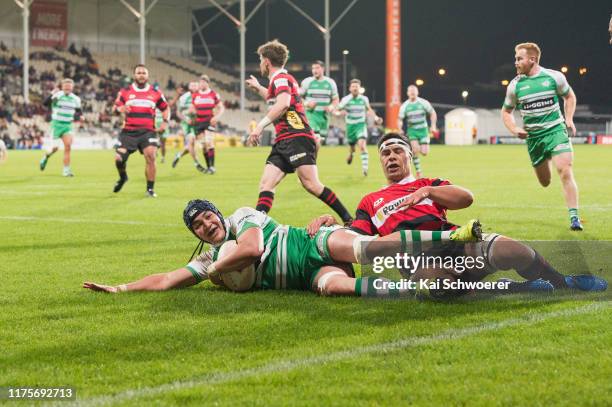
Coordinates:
563 162
57 130
210 151
347 246
504 253
194 144
424 145
416 149
351 140
271 177
149 153
121 157
349 159
67 140
162 147
361 143
309 177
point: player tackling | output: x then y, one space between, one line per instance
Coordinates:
535 93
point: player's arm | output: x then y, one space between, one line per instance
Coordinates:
569 107
449 196
507 109
433 120
371 112
254 84
283 101
120 105
218 111
249 249
155 282
323 220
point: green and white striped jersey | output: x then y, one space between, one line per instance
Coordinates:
356 108
321 91
64 106
414 114
236 224
183 106
537 99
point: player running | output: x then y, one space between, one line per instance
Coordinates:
162 133
355 107
407 203
285 257
183 112
137 103
320 98
535 92
412 120
294 148
65 109
207 107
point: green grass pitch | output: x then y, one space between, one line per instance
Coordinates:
205 346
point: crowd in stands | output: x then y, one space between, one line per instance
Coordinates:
96 89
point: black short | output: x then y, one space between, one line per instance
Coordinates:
133 140
288 154
201 127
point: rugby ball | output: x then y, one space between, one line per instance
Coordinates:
236 280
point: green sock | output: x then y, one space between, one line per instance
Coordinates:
378 287
573 213
417 164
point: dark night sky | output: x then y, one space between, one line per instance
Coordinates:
473 39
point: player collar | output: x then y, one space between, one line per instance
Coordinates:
137 89
407 180
280 71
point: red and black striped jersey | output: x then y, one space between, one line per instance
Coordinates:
377 213
142 104
204 103
293 122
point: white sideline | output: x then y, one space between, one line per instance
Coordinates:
288 365
92 221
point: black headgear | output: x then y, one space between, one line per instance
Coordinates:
197 206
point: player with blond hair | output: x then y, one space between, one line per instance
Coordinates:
535 92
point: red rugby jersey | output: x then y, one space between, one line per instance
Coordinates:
142 103
204 103
293 122
377 212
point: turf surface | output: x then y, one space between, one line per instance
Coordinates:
203 345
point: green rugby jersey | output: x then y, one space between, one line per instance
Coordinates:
322 91
537 99
236 224
64 107
183 105
414 114
356 108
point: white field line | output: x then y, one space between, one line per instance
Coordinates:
293 364
90 221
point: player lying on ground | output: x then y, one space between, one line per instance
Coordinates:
408 203
285 256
